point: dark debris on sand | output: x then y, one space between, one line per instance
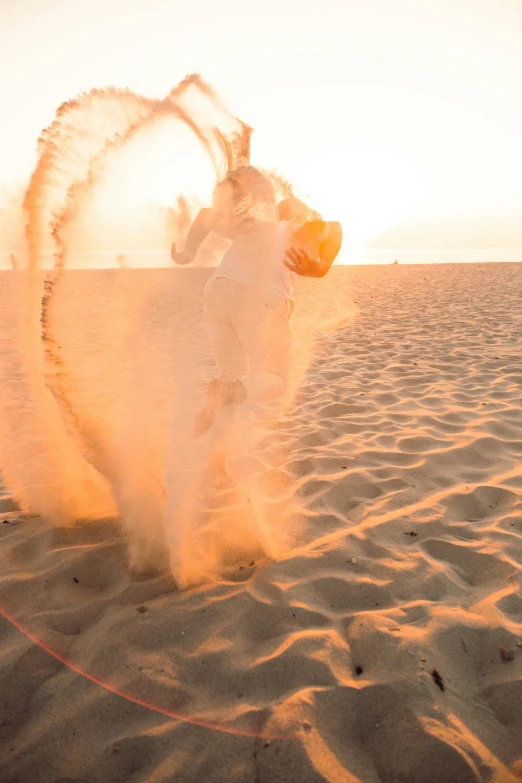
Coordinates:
437 679
506 654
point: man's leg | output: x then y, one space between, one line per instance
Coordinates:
239 318
229 354
262 325
263 328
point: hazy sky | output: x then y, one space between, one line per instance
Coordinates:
382 112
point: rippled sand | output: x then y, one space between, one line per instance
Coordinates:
387 647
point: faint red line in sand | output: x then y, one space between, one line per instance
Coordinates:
108 687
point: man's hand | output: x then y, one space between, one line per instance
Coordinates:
330 237
299 261
180 258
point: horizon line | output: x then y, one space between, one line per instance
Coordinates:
348 249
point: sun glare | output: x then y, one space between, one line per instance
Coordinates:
156 168
369 189
128 210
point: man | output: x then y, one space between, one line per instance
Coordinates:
248 301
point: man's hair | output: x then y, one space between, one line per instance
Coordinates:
251 188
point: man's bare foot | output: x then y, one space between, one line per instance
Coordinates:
219 394
206 416
219 477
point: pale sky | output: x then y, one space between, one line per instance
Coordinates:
381 112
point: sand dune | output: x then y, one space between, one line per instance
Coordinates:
387 647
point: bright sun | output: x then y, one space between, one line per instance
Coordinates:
162 163
368 189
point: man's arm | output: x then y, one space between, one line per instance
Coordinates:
204 223
330 241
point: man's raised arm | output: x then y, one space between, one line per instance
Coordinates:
204 223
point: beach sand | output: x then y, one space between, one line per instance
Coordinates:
386 648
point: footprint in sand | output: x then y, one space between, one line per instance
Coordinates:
481 503
474 567
420 444
511 607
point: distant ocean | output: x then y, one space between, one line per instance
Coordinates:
349 256
364 256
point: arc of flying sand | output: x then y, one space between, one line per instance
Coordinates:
43 199
224 153
89 440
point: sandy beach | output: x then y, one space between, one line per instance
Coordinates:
386 647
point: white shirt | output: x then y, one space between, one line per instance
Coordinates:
256 257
